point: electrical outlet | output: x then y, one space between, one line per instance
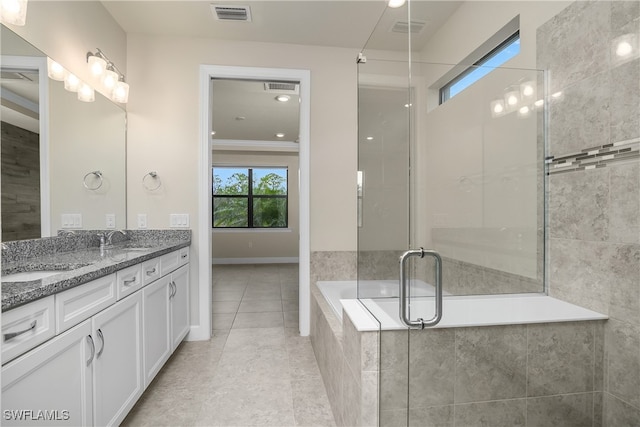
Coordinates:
142 221
110 220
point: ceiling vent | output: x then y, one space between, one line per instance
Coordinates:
231 13
281 87
404 27
8 74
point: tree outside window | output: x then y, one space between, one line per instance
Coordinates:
250 197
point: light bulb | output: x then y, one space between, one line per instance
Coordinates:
497 108
110 79
86 93
512 100
55 71
71 83
13 12
539 103
120 93
97 65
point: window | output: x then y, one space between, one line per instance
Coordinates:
495 58
250 197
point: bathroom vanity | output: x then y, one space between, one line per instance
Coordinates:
81 344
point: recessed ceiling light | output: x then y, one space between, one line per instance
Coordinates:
283 98
280 135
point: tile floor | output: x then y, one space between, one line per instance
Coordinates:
255 371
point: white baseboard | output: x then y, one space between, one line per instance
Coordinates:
261 260
198 333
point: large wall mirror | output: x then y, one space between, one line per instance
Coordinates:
63 160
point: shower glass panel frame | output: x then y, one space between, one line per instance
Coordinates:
466 178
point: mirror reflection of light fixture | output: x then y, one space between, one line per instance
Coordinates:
86 93
55 71
396 3
279 135
282 98
625 48
527 90
511 98
13 12
111 77
71 82
497 108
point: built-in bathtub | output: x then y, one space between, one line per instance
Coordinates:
517 356
458 311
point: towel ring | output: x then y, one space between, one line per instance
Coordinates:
152 175
98 174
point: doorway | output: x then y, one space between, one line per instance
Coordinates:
209 142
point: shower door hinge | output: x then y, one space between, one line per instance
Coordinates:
361 58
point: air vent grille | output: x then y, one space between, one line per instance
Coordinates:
404 27
232 13
281 87
8 74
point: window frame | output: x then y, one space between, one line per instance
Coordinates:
250 197
445 89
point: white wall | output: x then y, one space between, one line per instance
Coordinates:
236 245
163 113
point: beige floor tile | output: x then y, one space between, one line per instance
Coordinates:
260 306
218 307
258 320
255 371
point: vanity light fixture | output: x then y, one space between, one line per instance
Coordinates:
71 82
13 12
55 71
111 77
86 93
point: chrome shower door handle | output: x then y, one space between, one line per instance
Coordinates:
404 290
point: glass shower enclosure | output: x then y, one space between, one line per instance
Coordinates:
449 192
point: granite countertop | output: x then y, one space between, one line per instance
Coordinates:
78 267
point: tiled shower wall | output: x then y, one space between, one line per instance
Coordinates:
594 212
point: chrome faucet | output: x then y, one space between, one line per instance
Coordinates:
111 233
105 238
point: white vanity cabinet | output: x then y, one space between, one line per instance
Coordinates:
105 353
52 384
166 317
117 366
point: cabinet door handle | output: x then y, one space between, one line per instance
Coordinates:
101 336
93 349
152 271
11 335
129 282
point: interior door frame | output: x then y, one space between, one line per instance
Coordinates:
202 331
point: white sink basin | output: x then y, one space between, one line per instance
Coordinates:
27 276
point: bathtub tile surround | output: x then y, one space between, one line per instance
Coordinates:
595 214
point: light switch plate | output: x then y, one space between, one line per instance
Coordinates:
142 221
71 220
179 220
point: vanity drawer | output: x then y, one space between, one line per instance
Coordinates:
80 303
25 327
170 262
128 280
183 256
151 271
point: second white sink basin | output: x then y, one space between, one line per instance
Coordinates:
27 276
